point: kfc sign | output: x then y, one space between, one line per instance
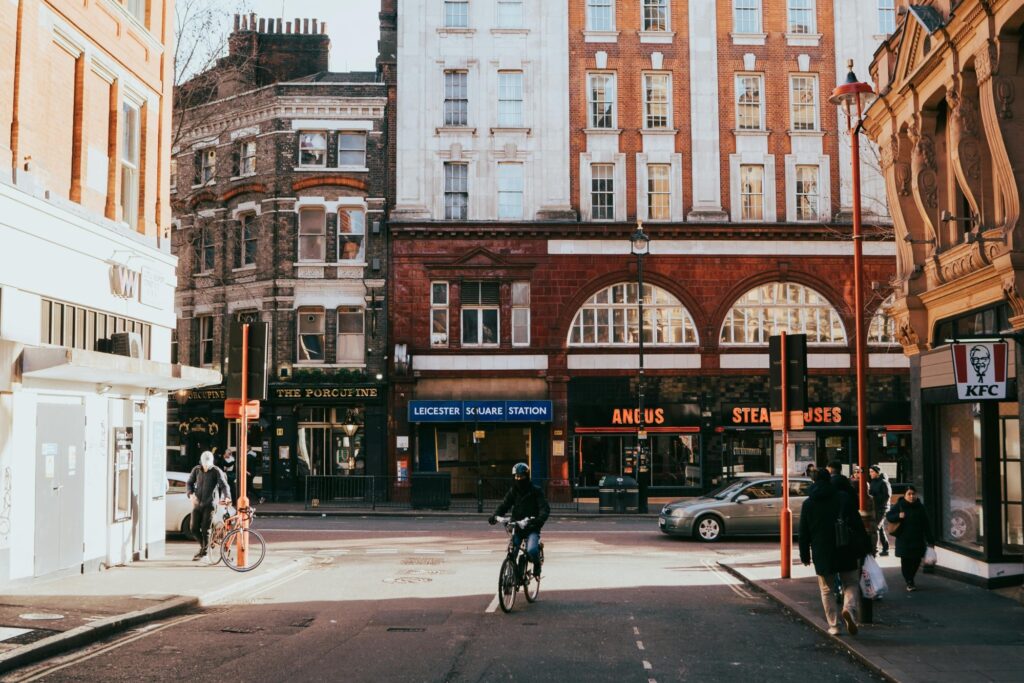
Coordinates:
980 370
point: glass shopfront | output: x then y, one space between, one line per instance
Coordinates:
674 458
331 440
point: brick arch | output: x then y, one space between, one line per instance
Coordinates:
594 285
329 181
200 197
823 288
253 188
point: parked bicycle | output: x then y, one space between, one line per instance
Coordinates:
228 537
517 570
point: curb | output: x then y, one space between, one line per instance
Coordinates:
816 624
90 633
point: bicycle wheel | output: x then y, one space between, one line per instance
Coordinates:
215 547
250 539
507 585
531 586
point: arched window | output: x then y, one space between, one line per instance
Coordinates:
609 318
769 309
883 328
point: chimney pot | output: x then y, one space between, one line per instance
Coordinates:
287 27
305 26
297 25
314 27
323 27
277 23
263 25
238 21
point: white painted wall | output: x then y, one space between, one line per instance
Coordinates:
425 51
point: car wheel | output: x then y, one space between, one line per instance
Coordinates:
186 524
959 526
708 528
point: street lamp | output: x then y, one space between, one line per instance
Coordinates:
639 244
853 96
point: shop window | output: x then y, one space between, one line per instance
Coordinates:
610 318
439 314
312 149
960 510
983 322
675 460
1010 475
520 313
312 234
205 341
351 234
311 335
882 330
769 309
350 335
480 313
352 150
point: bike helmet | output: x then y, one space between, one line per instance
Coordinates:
521 469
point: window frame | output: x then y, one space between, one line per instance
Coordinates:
437 307
354 232
612 310
882 328
245 159
246 238
765 311
741 91
454 191
816 204
480 309
811 11
507 192
595 6
456 109
299 334
886 17
744 207
206 250
456 11
499 17
322 234
592 115
205 339
352 312
756 9
794 105
129 158
350 134
520 306
303 148
648 6
667 193
609 191
647 102
510 109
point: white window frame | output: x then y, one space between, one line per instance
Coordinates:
451 189
304 146
751 6
206 350
510 191
304 231
504 20
816 196
357 224
480 309
610 93
610 318
173 174
247 235
886 17
317 311
806 8
246 157
131 141
741 91
753 312
609 190
648 7
745 214
510 99
456 98
359 135
652 192
456 13
439 311
136 8
521 313
207 166
350 313
647 102
592 10
794 103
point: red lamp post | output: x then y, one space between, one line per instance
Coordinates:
853 96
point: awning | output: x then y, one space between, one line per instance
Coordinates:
93 367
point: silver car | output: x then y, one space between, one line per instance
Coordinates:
745 506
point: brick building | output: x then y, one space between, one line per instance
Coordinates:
86 284
707 121
278 200
948 126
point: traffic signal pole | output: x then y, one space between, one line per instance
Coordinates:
785 515
243 448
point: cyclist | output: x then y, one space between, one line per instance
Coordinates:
523 500
204 483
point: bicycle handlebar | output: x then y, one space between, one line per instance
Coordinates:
507 521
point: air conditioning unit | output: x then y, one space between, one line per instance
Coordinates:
126 344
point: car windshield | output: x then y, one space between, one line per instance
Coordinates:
725 490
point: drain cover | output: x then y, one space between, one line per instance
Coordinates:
40 616
405 629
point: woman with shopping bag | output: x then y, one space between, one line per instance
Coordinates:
908 522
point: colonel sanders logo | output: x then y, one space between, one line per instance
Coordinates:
981 358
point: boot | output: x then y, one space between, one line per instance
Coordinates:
201 554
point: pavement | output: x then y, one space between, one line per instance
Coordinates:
588 507
41 618
947 630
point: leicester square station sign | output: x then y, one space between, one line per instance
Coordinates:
980 370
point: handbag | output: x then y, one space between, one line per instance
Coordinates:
892 528
872 580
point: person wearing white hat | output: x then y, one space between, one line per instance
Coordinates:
204 484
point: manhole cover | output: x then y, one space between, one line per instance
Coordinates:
40 616
408 579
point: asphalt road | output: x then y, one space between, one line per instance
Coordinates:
410 599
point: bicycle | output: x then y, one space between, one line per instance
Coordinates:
228 536
517 570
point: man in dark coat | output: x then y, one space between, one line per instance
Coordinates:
823 513
524 500
207 484
881 492
839 480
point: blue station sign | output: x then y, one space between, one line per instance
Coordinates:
480 411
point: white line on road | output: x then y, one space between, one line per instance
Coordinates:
428 551
639 644
727 580
476 552
647 665
382 551
636 630
493 606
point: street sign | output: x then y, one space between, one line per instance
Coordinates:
795 356
980 370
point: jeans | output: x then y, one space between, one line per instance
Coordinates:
909 567
882 538
199 524
851 586
532 544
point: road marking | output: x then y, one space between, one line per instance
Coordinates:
493 606
727 580
647 665
636 630
640 645
428 551
382 551
476 552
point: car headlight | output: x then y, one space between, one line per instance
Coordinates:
680 512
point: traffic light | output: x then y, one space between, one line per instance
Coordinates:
258 356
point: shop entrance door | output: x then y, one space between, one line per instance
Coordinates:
60 486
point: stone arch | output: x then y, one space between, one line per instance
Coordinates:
768 297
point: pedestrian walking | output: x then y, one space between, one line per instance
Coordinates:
205 482
833 537
880 491
913 532
839 480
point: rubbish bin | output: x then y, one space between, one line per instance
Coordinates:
618 494
431 490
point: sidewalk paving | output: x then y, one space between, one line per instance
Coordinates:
45 617
945 631
587 508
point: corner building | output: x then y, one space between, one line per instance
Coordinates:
278 201
86 284
707 122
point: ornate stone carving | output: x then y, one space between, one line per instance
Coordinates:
1005 95
888 151
906 335
903 176
984 62
922 164
1013 297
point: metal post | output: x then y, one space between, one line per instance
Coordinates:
641 440
243 445
785 515
858 317
479 475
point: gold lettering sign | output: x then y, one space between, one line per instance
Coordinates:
631 416
327 392
815 415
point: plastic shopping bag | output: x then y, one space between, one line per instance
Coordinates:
872 580
930 558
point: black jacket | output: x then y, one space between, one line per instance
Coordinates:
824 505
880 491
915 532
208 486
523 504
841 482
